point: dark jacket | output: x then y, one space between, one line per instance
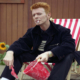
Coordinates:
77 56
60 41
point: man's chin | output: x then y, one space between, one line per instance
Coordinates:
38 24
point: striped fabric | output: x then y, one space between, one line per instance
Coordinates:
73 25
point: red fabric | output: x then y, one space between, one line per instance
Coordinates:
37 70
13 73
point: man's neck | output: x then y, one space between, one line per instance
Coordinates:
45 26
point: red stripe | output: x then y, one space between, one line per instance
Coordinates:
48 67
55 20
70 23
65 23
50 64
60 20
74 27
26 63
53 64
77 38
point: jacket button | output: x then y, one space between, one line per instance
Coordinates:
60 57
63 56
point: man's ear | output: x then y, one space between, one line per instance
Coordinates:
49 15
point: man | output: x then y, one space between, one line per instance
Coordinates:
50 42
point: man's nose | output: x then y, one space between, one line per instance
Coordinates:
36 16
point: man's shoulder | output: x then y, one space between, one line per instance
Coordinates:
60 27
33 28
29 30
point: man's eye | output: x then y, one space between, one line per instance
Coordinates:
33 15
39 13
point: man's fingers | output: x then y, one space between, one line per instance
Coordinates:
38 58
6 62
10 64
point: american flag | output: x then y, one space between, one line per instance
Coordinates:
73 25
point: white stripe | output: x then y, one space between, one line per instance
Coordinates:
76 30
72 26
57 21
44 63
62 23
68 22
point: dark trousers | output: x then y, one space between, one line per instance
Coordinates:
59 72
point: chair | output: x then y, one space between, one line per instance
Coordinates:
73 25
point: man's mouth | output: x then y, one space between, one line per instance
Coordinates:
37 21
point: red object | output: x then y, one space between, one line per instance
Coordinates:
13 73
37 70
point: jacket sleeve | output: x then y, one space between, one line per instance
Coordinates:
23 44
66 46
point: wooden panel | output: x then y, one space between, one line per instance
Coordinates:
66 9
8 35
54 8
14 22
77 9
42 0
71 8
25 25
11 1
33 24
29 14
20 20
60 7
3 23
49 2
36 1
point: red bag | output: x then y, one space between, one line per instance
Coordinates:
13 73
37 70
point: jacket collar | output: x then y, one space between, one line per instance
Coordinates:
52 30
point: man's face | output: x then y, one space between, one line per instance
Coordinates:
40 16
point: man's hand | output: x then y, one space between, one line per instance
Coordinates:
43 57
9 58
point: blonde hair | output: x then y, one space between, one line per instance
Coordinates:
41 4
